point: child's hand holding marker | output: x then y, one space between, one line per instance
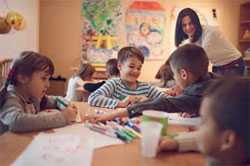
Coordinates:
70 113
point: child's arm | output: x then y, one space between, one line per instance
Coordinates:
14 116
91 87
154 93
183 142
102 96
182 103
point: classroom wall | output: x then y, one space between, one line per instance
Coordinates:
60 29
14 42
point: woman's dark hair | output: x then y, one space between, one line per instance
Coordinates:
86 71
111 68
230 106
26 64
179 33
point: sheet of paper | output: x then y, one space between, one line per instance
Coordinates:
56 149
175 118
96 140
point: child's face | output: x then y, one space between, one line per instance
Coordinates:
38 84
210 137
130 70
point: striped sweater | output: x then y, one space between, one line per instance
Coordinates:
114 90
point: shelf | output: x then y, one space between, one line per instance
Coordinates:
245 22
244 41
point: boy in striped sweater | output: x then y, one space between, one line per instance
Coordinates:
126 90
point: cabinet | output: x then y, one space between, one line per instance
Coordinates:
244 28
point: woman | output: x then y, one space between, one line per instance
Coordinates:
225 58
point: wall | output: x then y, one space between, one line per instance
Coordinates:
14 42
60 29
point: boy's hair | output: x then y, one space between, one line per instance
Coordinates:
129 52
179 33
86 71
192 58
230 106
26 64
111 68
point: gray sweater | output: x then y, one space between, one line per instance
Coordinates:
21 115
189 101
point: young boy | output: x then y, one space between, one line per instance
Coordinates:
189 64
126 90
223 135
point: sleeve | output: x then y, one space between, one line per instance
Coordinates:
210 35
48 102
13 115
182 103
187 141
102 96
91 87
154 93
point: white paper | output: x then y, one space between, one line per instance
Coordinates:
56 149
175 118
96 140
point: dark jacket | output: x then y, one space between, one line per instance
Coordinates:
189 101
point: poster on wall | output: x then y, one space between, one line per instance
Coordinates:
99 29
145 24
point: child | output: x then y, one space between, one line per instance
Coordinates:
120 92
22 99
84 74
111 70
165 75
189 64
223 135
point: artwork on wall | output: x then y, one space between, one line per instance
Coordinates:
145 24
99 29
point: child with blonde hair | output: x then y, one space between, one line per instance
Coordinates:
83 76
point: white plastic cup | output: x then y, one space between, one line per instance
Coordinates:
151 133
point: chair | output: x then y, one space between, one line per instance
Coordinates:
4 70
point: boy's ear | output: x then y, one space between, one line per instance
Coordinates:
184 74
22 79
119 66
228 140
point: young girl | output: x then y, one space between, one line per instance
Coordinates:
223 135
23 98
84 75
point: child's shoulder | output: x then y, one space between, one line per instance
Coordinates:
114 80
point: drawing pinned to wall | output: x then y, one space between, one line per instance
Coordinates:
99 29
145 24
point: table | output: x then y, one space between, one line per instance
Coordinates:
12 145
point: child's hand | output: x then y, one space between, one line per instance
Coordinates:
70 113
188 115
167 144
131 100
174 91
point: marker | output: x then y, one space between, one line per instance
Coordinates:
63 102
133 131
